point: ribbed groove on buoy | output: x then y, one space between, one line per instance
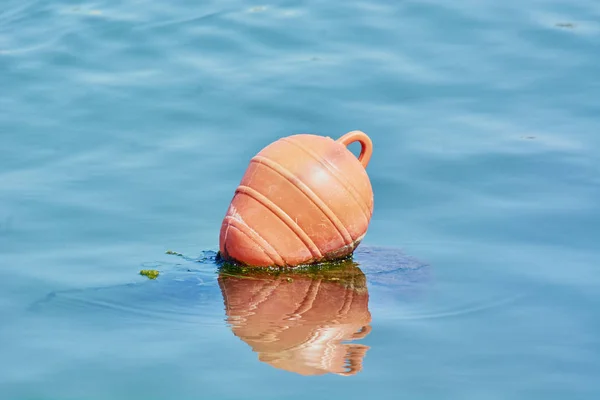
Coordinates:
308 193
259 240
283 216
332 169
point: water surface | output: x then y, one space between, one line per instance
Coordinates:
126 126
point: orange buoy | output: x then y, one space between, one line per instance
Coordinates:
303 199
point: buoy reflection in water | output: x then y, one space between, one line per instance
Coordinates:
300 322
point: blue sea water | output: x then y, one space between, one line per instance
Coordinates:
126 126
